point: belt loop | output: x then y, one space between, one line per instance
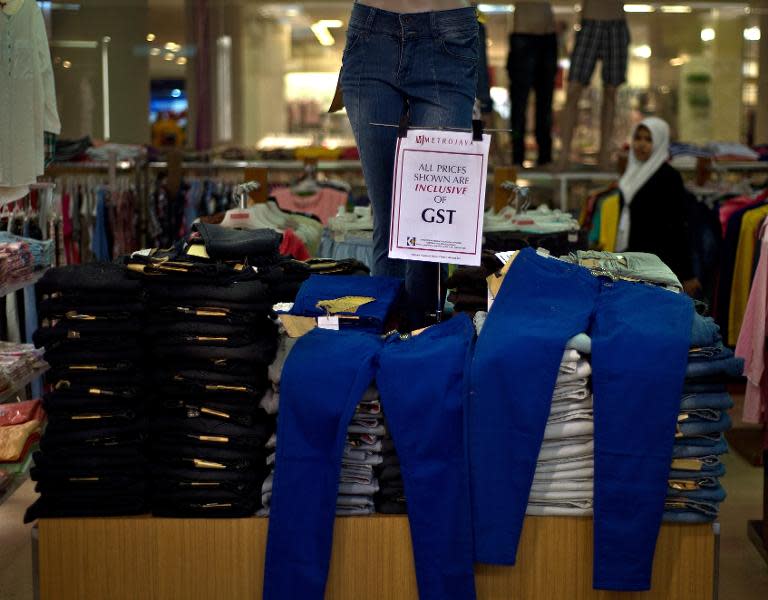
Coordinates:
370 19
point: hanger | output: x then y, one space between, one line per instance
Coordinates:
242 218
308 183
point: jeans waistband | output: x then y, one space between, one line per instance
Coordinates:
425 24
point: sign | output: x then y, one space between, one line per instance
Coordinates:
438 197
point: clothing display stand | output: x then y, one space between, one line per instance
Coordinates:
125 558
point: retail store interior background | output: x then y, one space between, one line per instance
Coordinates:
188 213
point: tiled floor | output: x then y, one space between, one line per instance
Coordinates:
743 573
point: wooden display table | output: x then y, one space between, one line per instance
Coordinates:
145 558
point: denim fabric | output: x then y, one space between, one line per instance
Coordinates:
368 317
313 428
705 332
630 265
427 62
727 365
694 514
687 448
706 353
710 494
526 332
696 387
532 65
703 422
712 470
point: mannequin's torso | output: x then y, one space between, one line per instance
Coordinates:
415 6
534 17
603 10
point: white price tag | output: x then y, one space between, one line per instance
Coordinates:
573 237
328 323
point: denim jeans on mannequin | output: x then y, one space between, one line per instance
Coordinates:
320 388
427 62
545 302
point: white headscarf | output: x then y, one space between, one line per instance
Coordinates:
638 173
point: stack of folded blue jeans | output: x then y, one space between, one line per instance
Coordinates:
210 340
695 493
390 499
92 460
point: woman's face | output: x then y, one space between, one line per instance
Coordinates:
642 143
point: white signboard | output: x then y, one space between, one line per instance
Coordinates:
438 197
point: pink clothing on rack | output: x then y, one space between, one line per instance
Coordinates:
752 339
324 203
735 204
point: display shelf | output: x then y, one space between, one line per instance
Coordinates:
9 395
124 558
20 285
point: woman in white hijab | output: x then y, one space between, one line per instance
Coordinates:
653 216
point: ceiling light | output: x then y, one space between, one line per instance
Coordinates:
331 23
491 9
155 52
676 62
708 34
643 51
638 8
66 64
169 56
679 9
292 12
752 34
151 37
322 34
182 60
172 47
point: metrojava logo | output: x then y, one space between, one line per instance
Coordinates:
411 242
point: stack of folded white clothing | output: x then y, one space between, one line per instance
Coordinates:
357 481
540 220
563 482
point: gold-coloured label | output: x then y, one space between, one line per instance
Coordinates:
215 413
207 464
214 438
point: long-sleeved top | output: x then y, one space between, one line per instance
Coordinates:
659 223
27 95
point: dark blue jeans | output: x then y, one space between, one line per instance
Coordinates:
423 386
640 337
427 61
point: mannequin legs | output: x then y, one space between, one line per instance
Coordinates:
569 118
607 117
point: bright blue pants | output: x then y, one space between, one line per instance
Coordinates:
423 386
640 338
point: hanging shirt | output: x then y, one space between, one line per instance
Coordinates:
27 93
751 345
324 203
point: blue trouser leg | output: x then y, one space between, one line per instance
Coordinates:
323 381
640 338
422 386
639 354
512 383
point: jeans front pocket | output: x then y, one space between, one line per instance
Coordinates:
353 38
461 44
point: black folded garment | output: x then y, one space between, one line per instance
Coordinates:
94 278
200 389
185 270
91 419
61 308
237 310
66 356
255 292
196 457
346 266
204 505
241 413
210 334
212 366
115 368
390 507
174 479
160 314
97 379
261 352
65 405
206 431
390 474
224 243
83 482
67 504
87 330
167 375
115 458
74 388
94 439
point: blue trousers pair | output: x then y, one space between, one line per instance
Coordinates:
423 387
640 337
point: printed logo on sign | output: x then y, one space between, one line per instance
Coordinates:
411 241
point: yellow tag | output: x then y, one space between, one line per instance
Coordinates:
296 326
345 304
686 464
197 250
213 438
206 464
215 413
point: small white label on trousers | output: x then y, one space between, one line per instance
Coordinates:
328 323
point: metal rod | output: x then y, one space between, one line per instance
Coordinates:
459 129
439 311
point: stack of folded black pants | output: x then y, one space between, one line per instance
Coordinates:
210 340
390 499
92 459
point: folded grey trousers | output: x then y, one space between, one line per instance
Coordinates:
570 496
560 449
583 414
566 464
568 429
582 370
565 406
564 475
560 509
572 485
571 392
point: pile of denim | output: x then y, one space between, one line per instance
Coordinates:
695 492
210 340
362 451
92 460
390 499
